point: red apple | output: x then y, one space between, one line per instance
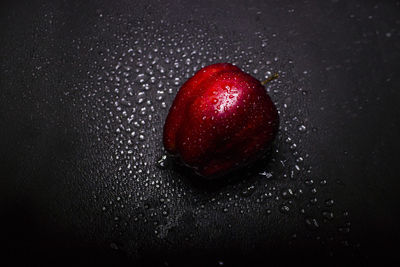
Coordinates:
221 119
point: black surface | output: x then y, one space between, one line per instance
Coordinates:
78 188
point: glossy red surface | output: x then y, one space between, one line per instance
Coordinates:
221 118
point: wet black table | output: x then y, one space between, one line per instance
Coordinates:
85 89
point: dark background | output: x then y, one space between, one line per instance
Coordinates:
85 89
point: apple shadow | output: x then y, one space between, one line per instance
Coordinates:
233 177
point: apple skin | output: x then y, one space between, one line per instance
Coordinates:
221 119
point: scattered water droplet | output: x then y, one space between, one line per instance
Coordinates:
287 193
114 246
162 162
302 128
284 209
329 202
266 174
248 191
312 223
327 214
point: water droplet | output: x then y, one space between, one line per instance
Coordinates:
327 214
309 182
323 182
284 209
312 223
165 213
287 193
302 128
266 174
248 191
329 202
162 162
114 246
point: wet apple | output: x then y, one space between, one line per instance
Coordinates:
222 118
